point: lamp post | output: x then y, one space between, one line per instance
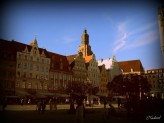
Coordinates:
140 94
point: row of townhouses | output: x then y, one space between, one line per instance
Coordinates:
26 69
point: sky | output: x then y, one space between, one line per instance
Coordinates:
127 29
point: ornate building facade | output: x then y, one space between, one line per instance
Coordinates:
32 68
111 66
104 79
77 64
93 72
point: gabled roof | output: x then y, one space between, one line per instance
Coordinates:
71 58
126 66
56 60
21 47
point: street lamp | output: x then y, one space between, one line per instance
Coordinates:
140 94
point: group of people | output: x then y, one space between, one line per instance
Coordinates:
53 104
41 106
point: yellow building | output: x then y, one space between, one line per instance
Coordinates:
32 68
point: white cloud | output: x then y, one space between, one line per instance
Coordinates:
144 35
122 37
141 29
144 39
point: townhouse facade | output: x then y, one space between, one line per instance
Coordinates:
156 79
103 91
111 66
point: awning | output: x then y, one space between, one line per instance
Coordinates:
102 94
61 95
21 93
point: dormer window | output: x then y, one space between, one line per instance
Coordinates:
61 65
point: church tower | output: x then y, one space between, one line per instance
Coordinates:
85 48
161 28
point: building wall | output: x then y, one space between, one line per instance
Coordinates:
7 75
161 29
103 81
79 69
32 69
156 79
112 67
93 72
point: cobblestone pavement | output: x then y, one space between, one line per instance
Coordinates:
95 114
33 107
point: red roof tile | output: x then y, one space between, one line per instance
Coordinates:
126 66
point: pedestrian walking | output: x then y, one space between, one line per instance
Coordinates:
50 103
105 102
80 112
22 101
43 105
39 106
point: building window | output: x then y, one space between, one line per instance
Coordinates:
46 77
25 57
19 65
37 68
31 58
37 76
30 75
46 69
42 60
47 61
24 75
37 59
31 67
29 85
42 69
19 56
18 74
25 66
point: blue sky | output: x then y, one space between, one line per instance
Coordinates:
127 29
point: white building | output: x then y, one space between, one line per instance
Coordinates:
111 66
